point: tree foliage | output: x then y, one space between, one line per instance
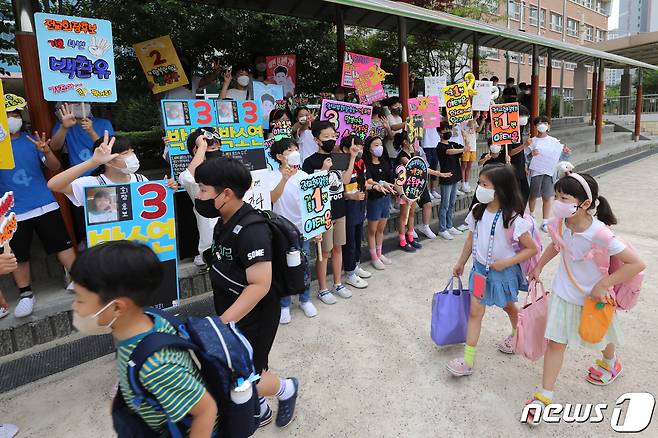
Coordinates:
7 31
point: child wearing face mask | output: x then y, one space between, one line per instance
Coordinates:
580 216
449 155
495 262
301 130
517 156
395 123
242 76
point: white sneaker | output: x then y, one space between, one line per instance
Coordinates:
427 231
362 272
378 264
466 188
454 231
342 291
8 430
356 281
25 307
327 297
285 315
385 260
3 312
460 193
446 235
309 309
463 227
544 227
435 194
432 196
415 235
198 261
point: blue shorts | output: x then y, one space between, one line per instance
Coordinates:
501 287
378 209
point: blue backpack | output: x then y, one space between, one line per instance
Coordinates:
225 359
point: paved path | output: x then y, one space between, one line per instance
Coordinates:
368 367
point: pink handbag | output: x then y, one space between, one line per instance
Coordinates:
529 340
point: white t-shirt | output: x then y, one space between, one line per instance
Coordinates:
471 135
235 94
457 135
388 142
502 247
79 184
584 271
550 150
288 205
307 144
205 225
184 92
431 138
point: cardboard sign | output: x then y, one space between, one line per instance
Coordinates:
458 104
280 129
267 95
8 227
413 178
434 87
428 108
282 70
365 74
415 128
76 56
315 204
482 100
6 152
161 65
505 123
259 194
347 118
142 212
6 203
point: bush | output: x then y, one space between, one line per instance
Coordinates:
136 113
148 146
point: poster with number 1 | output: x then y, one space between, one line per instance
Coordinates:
505 127
315 204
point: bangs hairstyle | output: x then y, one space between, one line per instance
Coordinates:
119 269
279 146
367 155
121 144
570 186
503 178
224 172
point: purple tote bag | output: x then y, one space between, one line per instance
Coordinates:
450 310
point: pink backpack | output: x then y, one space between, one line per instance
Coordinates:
625 294
530 264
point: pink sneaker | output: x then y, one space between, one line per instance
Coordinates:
506 346
458 367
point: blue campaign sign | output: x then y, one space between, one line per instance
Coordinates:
76 56
315 204
143 212
267 95
242 132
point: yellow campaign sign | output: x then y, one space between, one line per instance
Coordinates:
6 154
458 103
161 65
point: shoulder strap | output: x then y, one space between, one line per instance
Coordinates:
101 180
140 177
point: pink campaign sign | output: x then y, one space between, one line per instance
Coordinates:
365 74
428 108
347 118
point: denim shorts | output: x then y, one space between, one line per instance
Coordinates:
378 209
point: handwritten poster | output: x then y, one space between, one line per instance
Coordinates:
280 129
6 152
258 196
434 87
366 75
267 95
161 65
482 100
141 212
8 224
428 108
505 123
413 178
282 70
315 204
76 56
458 104
347 118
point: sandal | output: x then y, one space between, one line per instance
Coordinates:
506 346
537 398
603 375
459 368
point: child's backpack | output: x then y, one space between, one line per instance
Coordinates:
530 264
625 294
225 359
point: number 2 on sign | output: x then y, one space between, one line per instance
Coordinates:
158 58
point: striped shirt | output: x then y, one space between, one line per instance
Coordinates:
169 374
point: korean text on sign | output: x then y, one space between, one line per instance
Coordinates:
315 204
458 104
366 75
160 63
505 123
347 118
76 56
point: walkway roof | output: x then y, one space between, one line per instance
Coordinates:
383 14
643 46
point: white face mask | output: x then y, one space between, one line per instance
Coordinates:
542 127
495 148
261 67
484 195
523 121
132 165
15 124
563 210
294 158
243 80
88 325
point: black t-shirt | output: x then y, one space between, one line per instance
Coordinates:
510 94
314 163
379 172
499 159
450 163
518 161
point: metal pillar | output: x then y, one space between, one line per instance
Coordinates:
534 93
476 56
340 39
598 138
506 67
404 66
549 84
638 105
594 92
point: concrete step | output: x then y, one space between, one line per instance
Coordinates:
566 121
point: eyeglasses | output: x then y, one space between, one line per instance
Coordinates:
210 135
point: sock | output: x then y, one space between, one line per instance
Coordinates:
286 389
263 405
410 237
610 362
514 331
25 292
379 251
403 241
469 355
546 393
373 254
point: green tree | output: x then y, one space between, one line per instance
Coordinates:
7 29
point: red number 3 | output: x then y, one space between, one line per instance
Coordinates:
157 201
250 112
204 117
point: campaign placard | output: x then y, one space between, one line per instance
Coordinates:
482 98
241 131
76 56
347 118
161 64
258 196
268 95
434 87
315 204
144 212
458 103
282 70
428 108
505 127
280 129
413 178
366 75
6 152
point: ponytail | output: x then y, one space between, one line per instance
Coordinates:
604 212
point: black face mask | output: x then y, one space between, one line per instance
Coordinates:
213 154
396 111
446 135
206 208
328 145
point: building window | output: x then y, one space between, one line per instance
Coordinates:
556 22
600 35
556 64
589 32
572 27
603 7
570 65
586 3
542 61
488 53
514 9
532 16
